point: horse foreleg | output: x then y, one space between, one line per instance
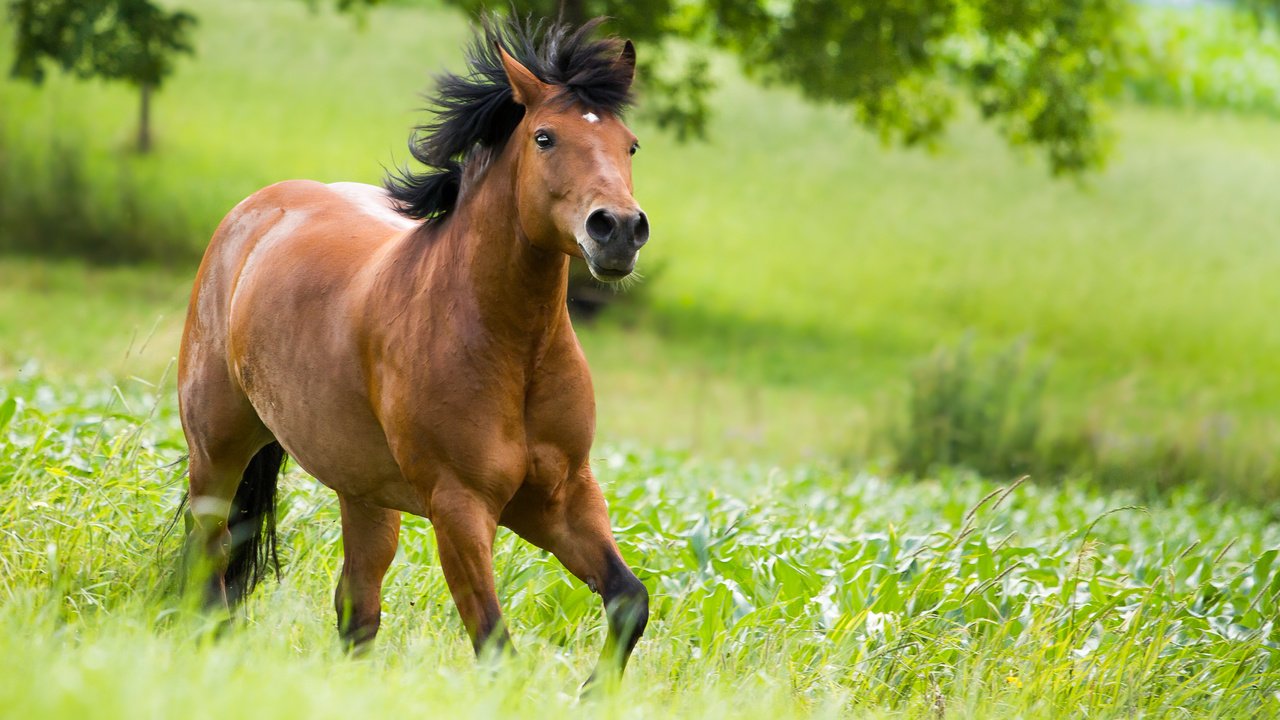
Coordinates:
465 525
369 538
574 526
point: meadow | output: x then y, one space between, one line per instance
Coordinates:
777 593
794 278
803 282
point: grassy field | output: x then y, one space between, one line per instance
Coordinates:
798 268
776 594
799 272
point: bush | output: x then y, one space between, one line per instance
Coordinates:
987 414
963 410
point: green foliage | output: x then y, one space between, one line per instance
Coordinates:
775 593
1042 76
1206 57
1037 70
129 40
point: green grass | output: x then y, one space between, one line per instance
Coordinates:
798 266
70 320
799 270
776 593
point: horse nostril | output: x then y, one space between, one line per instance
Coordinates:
601 226
640 235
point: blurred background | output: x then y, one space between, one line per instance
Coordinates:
1003 237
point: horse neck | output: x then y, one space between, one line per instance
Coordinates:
485 260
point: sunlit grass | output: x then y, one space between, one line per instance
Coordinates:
800 593
791 250
797 269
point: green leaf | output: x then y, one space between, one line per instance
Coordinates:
7 410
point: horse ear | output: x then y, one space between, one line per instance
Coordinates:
526 88
627 61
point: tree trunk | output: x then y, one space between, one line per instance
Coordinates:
144 118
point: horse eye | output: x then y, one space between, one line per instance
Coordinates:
634 148
543 140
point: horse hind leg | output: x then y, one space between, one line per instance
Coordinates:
369 538
233 462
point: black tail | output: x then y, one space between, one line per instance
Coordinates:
253 524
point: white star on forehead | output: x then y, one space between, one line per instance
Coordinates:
591 117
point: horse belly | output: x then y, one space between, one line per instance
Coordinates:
345 450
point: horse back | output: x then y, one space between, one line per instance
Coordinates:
299 237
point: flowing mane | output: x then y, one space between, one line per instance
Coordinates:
475 112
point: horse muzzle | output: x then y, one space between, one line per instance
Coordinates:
612 243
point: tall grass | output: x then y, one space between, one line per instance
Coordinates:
803 593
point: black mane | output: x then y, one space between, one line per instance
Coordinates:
477 109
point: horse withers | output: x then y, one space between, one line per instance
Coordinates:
409 346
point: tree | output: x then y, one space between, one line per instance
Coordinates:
129 40
1037 69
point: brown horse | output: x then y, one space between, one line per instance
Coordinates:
410 347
